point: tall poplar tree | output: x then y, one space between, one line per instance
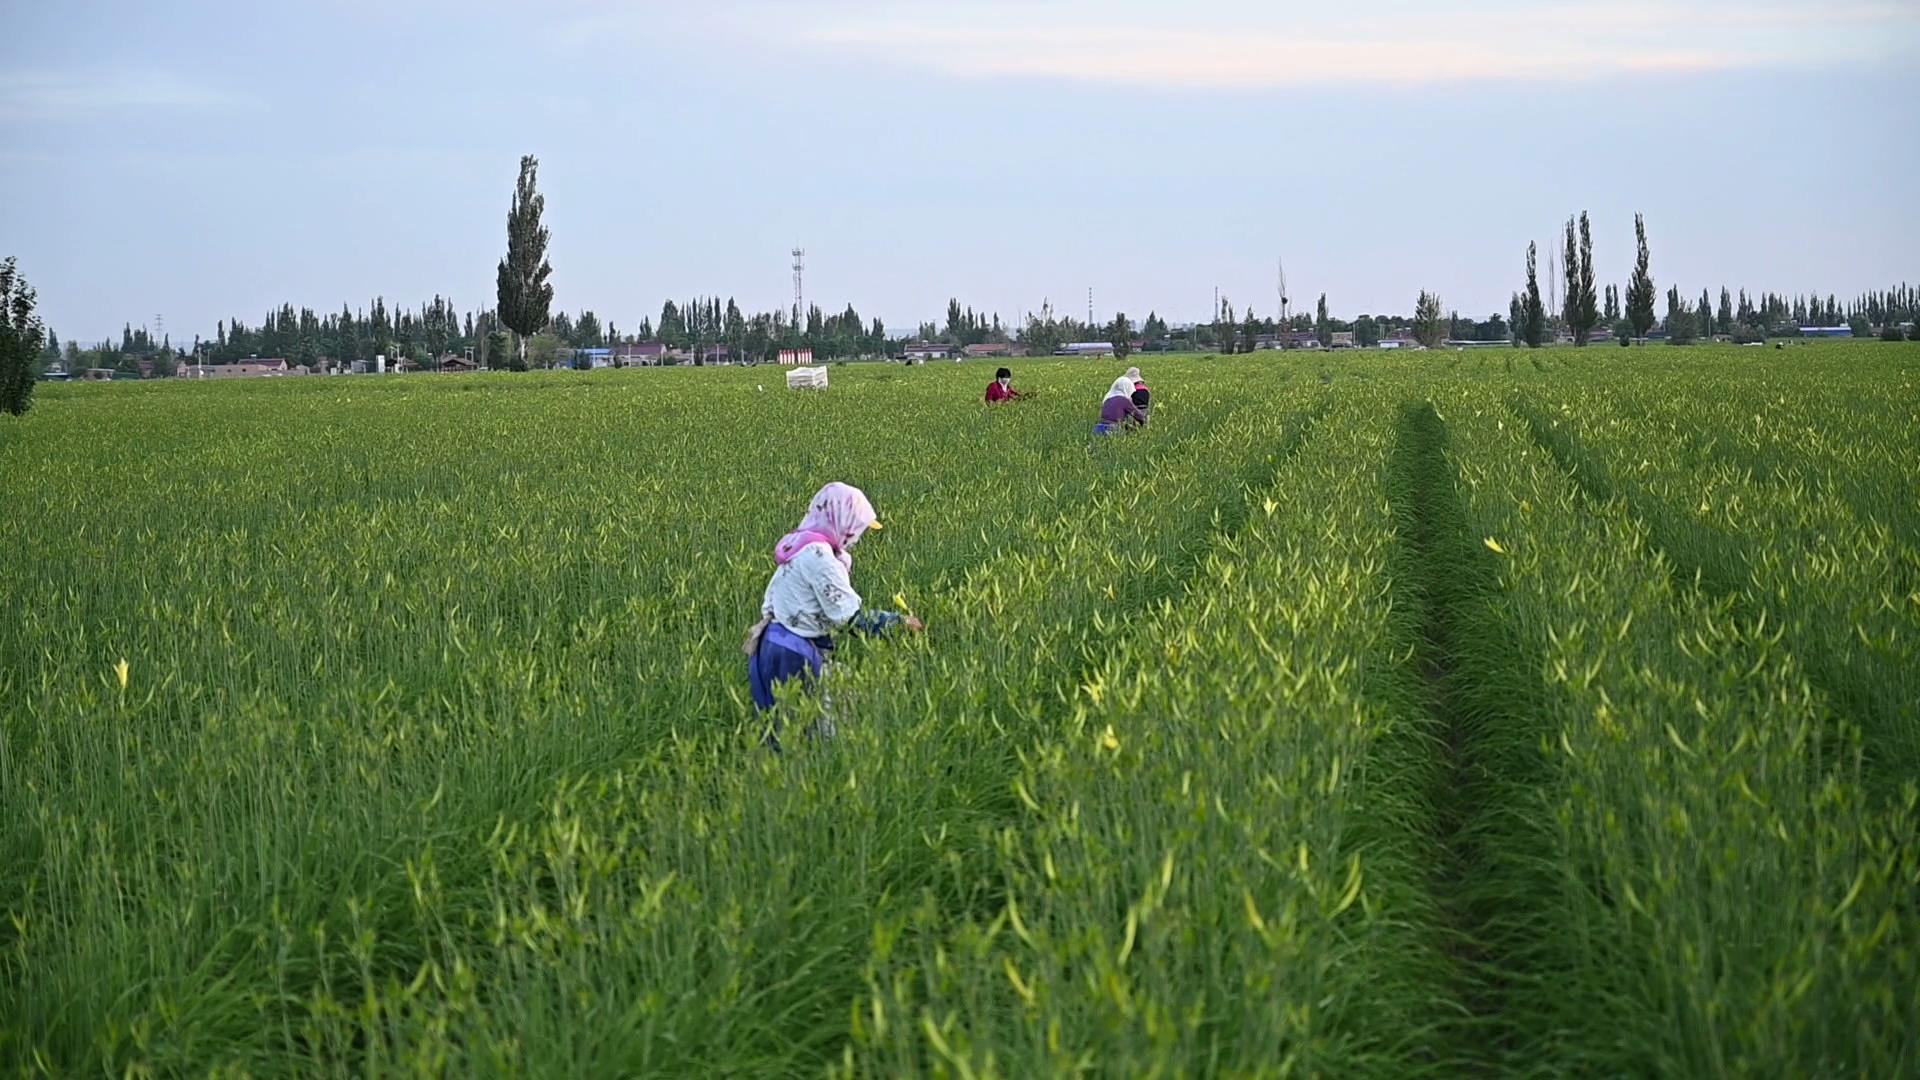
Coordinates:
524 292
1681 323
1532 321
1582 308
1120 335
1322 326
1589 307
1640 297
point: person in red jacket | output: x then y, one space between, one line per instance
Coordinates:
1001 388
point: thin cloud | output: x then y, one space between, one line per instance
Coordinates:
1231 47
1254 61
49 94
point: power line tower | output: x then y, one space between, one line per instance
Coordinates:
159 330
799 290
1089 307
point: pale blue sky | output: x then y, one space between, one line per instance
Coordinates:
210 159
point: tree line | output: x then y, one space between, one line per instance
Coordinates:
521 331
702 327
1630 314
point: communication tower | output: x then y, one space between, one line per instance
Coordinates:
1286 302
799 291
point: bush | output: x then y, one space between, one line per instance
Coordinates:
1749 335
497 350
1892 333
543 350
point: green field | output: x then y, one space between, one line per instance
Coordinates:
1369 715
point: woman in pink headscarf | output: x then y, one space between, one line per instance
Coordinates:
811 595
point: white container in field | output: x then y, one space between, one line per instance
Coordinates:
380 364
807 378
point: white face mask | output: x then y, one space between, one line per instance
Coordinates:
1006 382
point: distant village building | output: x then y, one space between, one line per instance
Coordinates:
1826 331
929 350
1565 337
253 367
639 354
994 348
456 364
1086 348
97 374
1343 339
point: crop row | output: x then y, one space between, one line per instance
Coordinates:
1215 861
1695 859
1804 542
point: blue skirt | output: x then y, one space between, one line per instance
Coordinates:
783 655
1105 427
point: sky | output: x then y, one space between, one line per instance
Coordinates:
196 161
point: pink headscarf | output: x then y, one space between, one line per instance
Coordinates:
836 518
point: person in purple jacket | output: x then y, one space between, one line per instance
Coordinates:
1118 410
